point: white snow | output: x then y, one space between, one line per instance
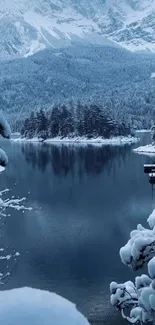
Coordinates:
28 306
3 158
152 175
142 281
152 301
145 297
141 246
151 220
143 131
5 130
138 298
153 75
2 169
39 25
83 140
26 139
122 293
151 268
149 149
14 203
135 314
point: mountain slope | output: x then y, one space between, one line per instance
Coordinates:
27 26
121 81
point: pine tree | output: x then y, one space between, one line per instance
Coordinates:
54 123
66 122
42 127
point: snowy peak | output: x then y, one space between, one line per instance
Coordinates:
27 26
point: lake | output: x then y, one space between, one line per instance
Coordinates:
85 202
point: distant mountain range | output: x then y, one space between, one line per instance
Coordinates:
27 26
63 51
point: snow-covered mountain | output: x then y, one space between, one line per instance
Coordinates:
27 26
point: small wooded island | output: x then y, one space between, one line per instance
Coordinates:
79 121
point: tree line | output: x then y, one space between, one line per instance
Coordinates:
89 121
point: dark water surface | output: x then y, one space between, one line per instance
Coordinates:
85 202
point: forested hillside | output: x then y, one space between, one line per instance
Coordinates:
118 80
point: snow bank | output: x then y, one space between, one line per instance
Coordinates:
26 139
152 75
5 130
28 306
83 140
114 140
149 149
143 131
2 169
3 158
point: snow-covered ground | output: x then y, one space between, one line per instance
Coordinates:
26 306
80 140
19 139
152 75
2 169
15 134
149 149
143 131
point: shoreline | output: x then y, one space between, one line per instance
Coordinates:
112 141
149 150
143 131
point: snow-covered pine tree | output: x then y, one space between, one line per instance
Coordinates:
136 300
66 122
42 127
54 126
80 129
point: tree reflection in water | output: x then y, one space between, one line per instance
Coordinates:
75 159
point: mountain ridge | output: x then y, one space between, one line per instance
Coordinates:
27 27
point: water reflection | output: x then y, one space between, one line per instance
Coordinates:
85 201
78 160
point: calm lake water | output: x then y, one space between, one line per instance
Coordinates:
85 202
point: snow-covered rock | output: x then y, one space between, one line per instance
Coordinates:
27 26
28 306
